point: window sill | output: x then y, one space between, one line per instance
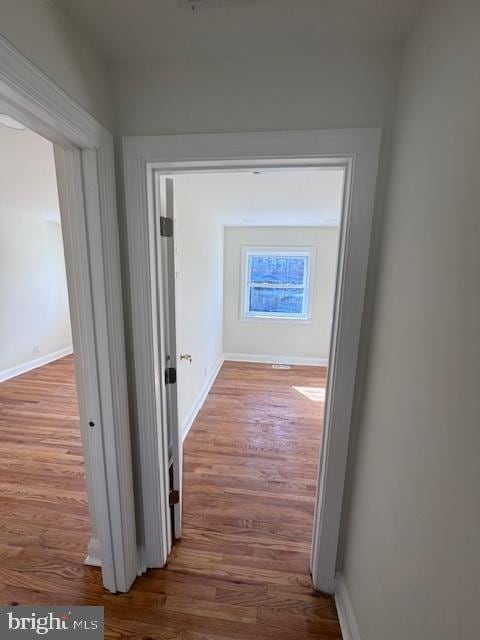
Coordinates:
275 320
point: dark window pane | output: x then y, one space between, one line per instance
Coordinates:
267 300
277 269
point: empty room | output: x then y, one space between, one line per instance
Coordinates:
249 262
44 514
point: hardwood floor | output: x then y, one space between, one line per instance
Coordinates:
241 568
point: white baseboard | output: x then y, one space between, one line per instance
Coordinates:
346 615
93 558
270 359
187 424
34 364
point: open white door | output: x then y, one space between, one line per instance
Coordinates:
165 198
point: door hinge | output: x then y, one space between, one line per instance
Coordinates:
173 497
166 227
170 375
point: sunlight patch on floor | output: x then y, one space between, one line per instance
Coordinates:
316 394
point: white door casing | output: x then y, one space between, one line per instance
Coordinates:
356 150
84 162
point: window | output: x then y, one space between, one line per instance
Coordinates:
276 283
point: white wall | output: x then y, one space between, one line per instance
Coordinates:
412 565
49 39
33 290
34 314
199 246
28 182
286 339
339 88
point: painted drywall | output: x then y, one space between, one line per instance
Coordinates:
28 183
33 290
411 562
340 88
34 315
43 34
199 292
294 340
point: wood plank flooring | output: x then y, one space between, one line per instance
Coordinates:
241 568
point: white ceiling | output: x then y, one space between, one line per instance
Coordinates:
270 198
153 30
28 182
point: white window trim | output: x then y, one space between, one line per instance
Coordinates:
301 251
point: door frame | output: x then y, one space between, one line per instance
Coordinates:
164 204
85 174
357 150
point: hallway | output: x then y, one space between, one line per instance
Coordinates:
241 568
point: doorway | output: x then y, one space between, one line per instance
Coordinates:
83 153
255 257
354 151
42 438
255 264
